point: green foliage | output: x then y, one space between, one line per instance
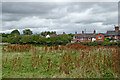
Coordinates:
15 32
14 40
5 35
111 38
37 39
59 40
4 39
48 32
27 32
33 39
108 39
71 34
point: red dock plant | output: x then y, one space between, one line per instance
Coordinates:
48 64
56 47
46 48
66 70
60 69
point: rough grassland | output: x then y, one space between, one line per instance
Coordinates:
75 61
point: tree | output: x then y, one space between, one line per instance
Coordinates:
14 40
71 34
27 32
15 32
48 32
4 39
43 33
58 40
5 35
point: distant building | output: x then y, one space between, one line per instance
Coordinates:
91 37
115 34
48 35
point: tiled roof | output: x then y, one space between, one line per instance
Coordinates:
86 35
111 33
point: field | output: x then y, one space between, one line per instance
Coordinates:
70 61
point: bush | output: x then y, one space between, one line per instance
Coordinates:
4 39
37 39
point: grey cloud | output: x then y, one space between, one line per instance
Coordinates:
65 16
26 8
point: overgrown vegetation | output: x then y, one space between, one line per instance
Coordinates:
101 43
37 39
70 61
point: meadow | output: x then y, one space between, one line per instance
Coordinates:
70 61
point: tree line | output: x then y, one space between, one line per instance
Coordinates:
29 38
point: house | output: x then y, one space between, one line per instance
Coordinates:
84 37
115 34
91 37
88 37
100 37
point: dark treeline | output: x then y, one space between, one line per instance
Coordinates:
37 39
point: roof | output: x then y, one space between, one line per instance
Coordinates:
101 33
87 35
111 33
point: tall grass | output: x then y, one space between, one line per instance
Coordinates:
77 60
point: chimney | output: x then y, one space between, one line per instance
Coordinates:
116 28
94 31
82 32
54 33
45 33
75 32
63 32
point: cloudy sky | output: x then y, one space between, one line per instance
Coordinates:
61 17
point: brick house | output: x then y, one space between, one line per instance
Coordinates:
91 37
115 34
84 37
100 37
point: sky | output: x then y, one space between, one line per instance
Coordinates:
69 17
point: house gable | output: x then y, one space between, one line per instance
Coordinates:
100 37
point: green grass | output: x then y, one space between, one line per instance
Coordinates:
56 58
0 62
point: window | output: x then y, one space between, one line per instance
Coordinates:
78 41
116 37
81 38
99 37
75 37
89 38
